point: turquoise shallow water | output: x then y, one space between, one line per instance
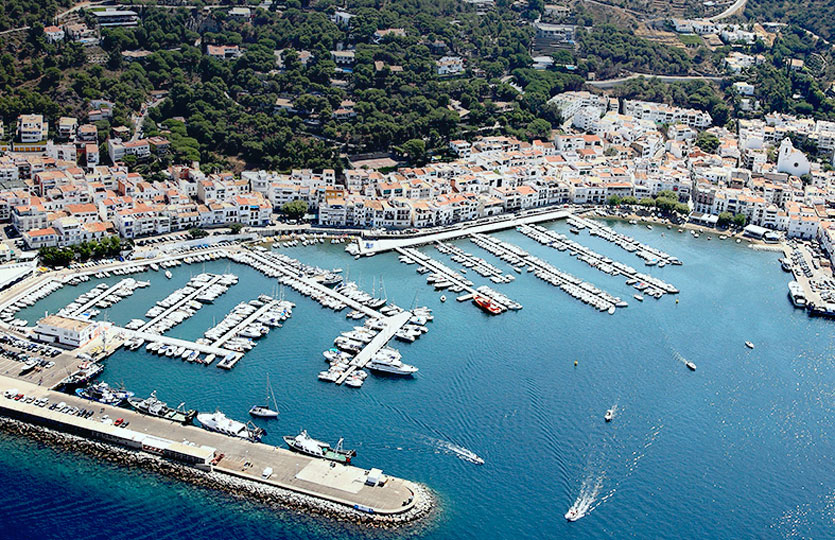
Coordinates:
741 448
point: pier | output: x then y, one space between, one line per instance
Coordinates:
649 254
458 283
157 338
476 264
391 325
365 247
652 285
262 261
189 297
123 284
344 485
571 285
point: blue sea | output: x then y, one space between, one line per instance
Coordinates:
740 448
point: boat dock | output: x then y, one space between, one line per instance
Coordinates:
183 301
345 485
476 264
365 247
651 285
261 263
391 325
457 282
571 285
244 323
176 342
87 306
649 254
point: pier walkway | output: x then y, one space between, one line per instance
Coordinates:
189 297
91 303
294 274
148 337
391 325
372 247
244 323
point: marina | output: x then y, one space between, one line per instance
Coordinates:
460 390
647 284
649 254
443 277
574 286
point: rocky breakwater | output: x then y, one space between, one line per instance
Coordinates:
424 507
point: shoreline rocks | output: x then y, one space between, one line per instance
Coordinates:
268 495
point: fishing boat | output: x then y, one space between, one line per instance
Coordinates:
264 411
103 393
154 407
304 444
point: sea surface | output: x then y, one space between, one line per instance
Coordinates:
741 448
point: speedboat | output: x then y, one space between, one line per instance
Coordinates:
690 365
749 344
572 514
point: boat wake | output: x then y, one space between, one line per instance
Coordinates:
464 454
590 497
587 499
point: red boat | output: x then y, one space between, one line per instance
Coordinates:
487 305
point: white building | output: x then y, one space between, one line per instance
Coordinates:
71 332
792 161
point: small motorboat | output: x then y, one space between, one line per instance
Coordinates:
572 514
638 297
168 274
443 298
690 365
749 344
609 415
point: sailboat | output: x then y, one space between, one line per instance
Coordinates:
264 411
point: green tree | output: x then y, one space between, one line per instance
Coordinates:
197 232
236 228
416 150
725 219
294 209
708 142
740 220
614 200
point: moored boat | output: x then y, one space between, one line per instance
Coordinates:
304 444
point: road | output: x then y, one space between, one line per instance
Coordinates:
611 83
139 119
733 9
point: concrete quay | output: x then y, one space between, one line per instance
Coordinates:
372 247
342 484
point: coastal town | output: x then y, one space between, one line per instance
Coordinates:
211 166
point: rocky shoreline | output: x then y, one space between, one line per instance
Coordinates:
239 487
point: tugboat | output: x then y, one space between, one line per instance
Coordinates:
154 407
304 444
220 423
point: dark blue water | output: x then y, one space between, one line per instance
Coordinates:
741 448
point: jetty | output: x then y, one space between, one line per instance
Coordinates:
183 301
176 342
391 325
571 285
445 275
649 254
368 247
352 488
643 282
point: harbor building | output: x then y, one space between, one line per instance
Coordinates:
66 331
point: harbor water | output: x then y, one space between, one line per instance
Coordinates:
741 448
